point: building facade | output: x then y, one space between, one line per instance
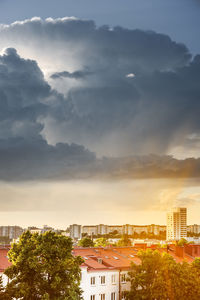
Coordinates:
156 229
75 231
89 230
195 229
12 232
105 271
102 229
177 223
118 228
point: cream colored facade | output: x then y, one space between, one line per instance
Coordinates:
177 223
89 230
193 228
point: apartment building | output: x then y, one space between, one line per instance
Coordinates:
156 229
177 223
118 228
12 232
140 229
75 231
193 229
45 228
128 229
89 230
105 271
102 229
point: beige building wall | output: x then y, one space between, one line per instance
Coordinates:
177 223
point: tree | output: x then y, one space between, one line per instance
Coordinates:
43 267
182 242
101 242
124 241
159 277
86 242
114 233
2 290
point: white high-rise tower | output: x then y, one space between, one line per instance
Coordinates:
177 223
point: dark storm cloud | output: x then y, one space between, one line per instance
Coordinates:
100 46
74 75
22 89
152 112
24 159
112 113
24 154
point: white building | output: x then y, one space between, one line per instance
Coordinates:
156 229
105 271
177 223
128 229
75 231
195 229
102 229
12 232
90 230
117 228
140 229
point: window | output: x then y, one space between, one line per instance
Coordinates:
123 295
92 297
123 278
92 280
103 279
113 278
103 297
113 296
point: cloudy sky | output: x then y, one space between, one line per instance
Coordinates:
99 111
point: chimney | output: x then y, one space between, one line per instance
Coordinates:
100 261
179 251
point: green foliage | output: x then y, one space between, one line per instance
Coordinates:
101 242
159 277
1 284
182 242
86 242
125 241
2 290
114 232
43 268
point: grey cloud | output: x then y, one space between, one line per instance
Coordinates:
150 166
24 153
22 90
27 99
23 159
33 159
74 75
152 113
106 112
186 202
101 47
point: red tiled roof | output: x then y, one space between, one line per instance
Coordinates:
107 258
4 263
119 257
116 258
